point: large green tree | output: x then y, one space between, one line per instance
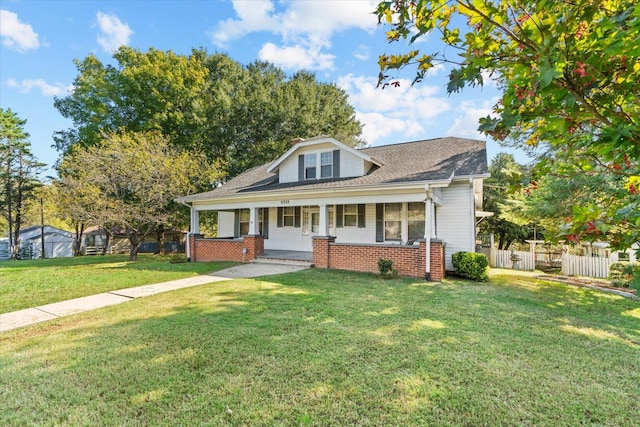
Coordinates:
569 73
205 103
129 180
501 191
19 172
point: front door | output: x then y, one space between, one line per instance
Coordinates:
310 226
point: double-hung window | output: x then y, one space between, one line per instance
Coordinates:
350 215
310 166
326 164
393 221
288 216
415 217
244 221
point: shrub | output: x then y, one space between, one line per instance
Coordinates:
385 267
178 258
623 274
471 265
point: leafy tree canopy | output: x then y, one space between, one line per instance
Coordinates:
570 79
204 103
129 180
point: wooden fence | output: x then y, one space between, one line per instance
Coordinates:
574 265
517 260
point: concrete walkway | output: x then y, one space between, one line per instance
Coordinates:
30 316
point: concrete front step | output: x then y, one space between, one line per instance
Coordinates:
297 263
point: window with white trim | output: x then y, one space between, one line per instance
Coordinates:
310 166
288 216
350 215
326 164
393 221
245 215
415 218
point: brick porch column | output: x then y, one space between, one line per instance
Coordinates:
254 245
192 245
437 260
321 251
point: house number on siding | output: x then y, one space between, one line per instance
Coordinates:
284 202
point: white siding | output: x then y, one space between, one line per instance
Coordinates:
282 238
350 164
360 235
226 224
454 220
289 169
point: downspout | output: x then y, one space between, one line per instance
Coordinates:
188 247
427 233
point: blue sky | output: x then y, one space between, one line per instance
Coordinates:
338 40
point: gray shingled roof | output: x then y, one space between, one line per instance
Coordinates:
418 161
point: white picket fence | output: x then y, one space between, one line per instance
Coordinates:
574 265
502 259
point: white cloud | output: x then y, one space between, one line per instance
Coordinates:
25 86
305 28
466 124
296 57
362 53
15 34
115 33
405 111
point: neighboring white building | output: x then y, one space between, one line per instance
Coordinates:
366 203
58 243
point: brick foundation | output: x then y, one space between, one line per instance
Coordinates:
408 260
226 249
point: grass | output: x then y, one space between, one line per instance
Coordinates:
324 348
25 284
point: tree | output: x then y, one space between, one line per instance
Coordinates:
18 173
151 91
570 79
129 180
501 191
208 104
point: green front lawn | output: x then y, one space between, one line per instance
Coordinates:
25 284
324 348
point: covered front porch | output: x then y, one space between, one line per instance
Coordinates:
349 236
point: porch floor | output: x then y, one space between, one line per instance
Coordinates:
292 255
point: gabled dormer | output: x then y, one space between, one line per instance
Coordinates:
321 157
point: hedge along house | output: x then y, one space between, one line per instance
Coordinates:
415 203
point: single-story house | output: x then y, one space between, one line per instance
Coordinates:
58 243
415 203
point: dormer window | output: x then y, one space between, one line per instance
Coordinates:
310 166
326 164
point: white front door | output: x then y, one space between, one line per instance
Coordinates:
310 226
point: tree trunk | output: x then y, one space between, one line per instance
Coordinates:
77 243
160 234
107 242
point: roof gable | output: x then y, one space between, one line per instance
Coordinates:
318 140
